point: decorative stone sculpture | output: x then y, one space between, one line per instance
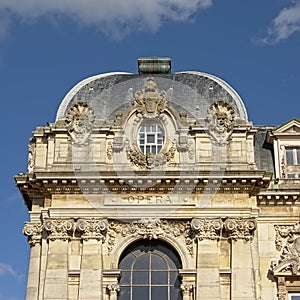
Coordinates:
80 118
220 118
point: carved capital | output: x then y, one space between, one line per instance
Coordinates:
59 229
186 289
33 231
92 228
207 228
240 228
113 289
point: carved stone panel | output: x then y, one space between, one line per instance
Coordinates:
34 232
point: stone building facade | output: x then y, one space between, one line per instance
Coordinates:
156 186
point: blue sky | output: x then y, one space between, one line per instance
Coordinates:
46 47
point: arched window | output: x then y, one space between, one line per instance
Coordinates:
150 272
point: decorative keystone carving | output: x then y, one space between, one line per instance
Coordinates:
59 229
150 160
240 228
33 231
150 101
150 229
80 118
207 228
92 228
220 118
289 261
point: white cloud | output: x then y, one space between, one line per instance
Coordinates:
285 24
116 18
7 270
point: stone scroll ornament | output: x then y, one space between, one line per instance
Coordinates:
220 119
288 241
34 232
240 228
207 228
92 228
80 118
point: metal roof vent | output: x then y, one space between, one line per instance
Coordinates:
154 65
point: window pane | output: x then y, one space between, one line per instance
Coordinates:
159 292
289 157
124 293
125 278
298 156
150 138
140 293
295 297
140 277
290 175
142 263
158 263
159 277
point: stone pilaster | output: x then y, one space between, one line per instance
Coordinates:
206 233
93 234
240 231
34 233
56 280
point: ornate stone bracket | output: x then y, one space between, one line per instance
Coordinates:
220 118
113 290
34 232
80 118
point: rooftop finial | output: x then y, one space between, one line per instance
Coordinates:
154 65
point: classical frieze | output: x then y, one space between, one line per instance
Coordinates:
240 228
206 228
80 118
149 229
288 242
220 119
92 228
33 231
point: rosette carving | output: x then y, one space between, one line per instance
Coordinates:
207 228
92 228
240 228
150 101
220 118
80 118
59 229
33 231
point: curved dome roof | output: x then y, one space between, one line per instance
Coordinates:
193 91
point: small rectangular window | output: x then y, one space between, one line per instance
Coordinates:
289 157
294 296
